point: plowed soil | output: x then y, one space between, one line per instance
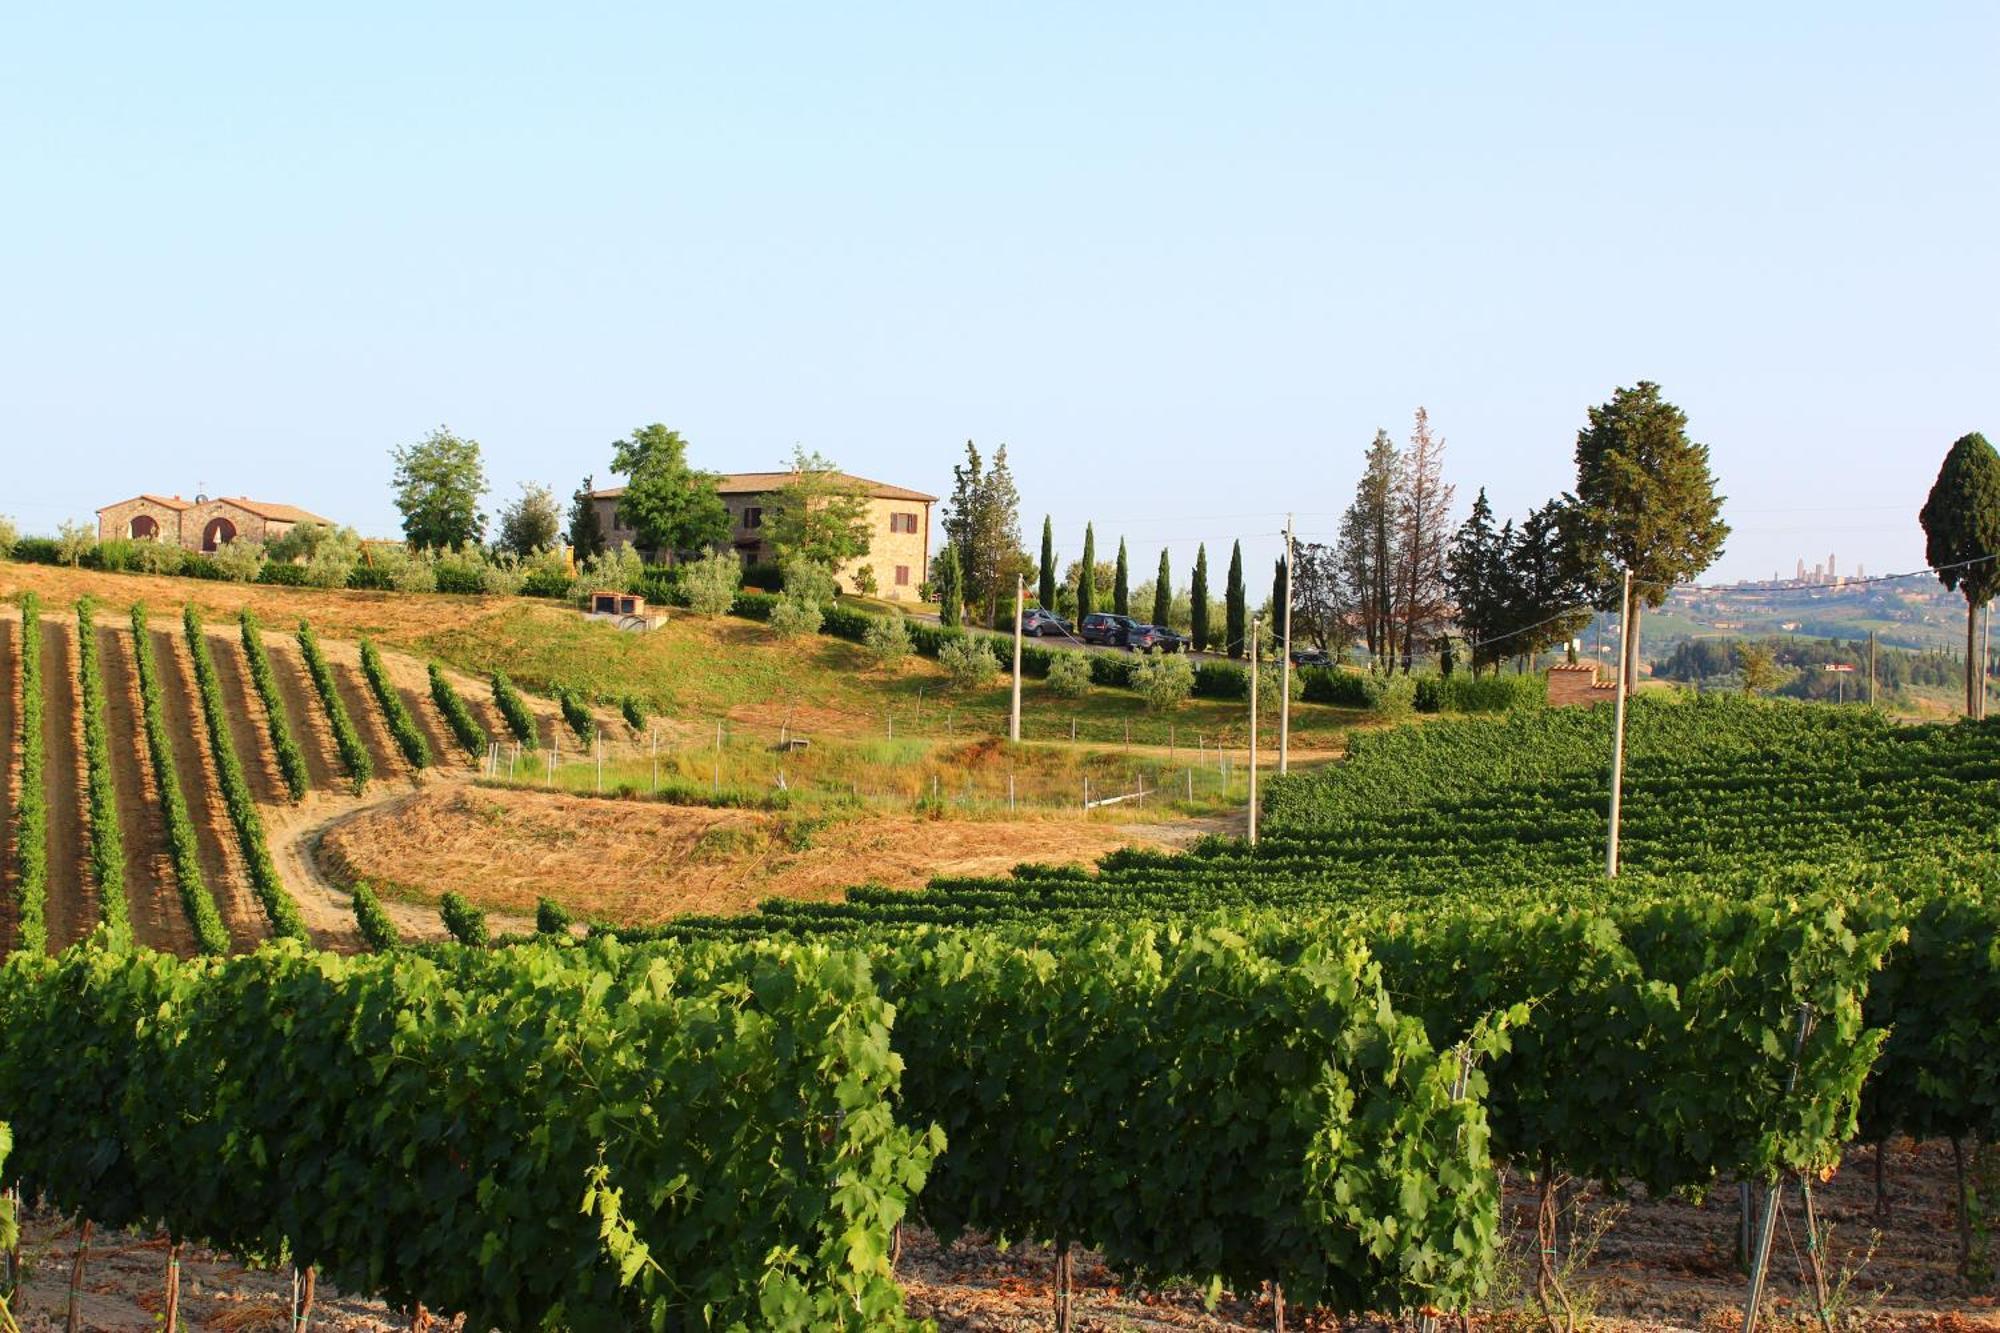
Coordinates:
367 718
72 909
247 726
221 863
302 706
10 684
158 919
445 750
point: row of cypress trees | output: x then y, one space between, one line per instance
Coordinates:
1235 599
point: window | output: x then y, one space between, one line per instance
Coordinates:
145 529
902 522
902 576
753 516
219 532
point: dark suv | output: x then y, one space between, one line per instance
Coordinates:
1039 623
1154 639
1107 629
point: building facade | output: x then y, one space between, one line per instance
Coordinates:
899 530
200 524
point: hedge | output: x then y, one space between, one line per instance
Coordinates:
378 932
107 842
514 710
354 755
464 726
291 760
183 849
242 806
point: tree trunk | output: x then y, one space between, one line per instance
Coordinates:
1973 678
1635 615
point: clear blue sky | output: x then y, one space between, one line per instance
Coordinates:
1182 259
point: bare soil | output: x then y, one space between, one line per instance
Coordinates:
72 904
10 686
309 724
248 729
445 751
367 718
158 919
642 861
221 861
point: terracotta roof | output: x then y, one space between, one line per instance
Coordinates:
164 501
762 483
275 512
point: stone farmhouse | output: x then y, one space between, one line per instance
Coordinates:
200 524
899 545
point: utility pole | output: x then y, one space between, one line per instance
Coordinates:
1253 731
1871 668
1014 718
1986 658
1618 729
1285 664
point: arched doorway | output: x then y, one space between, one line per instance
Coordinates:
145 528
219 532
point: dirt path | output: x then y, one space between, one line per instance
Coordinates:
247 725
10 685
221 862
72 897
309 726
158 919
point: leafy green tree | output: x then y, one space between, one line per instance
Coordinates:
9 534
1164 682
1198 600
1473 572
1961 519
586 530
532 522
674 509
1236 603
1163 595
711 582
1069 675
74 541
1645 501
1121 591
887 640
1086 580
983 521
1758 666
949 581
1046 589
439 480
801 607
968 661
819 514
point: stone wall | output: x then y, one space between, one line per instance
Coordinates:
1578 685
115 523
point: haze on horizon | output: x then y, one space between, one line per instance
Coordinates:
1182 260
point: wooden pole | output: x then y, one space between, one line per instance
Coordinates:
172 1314
1014 717
1618 731
1253 731
1285 664
75 1323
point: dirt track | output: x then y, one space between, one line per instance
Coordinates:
221 863
72 908
158 919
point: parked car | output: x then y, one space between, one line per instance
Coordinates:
1155 639
1318 657
1040 623
1106 628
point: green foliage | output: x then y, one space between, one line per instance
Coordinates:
1197 599
439 481
1045 586
466 923
107 841
586 530
800 609
552 918
514 710
75 541
982 528
887 639
279 908
277 721
612 571
183 845
1645 498
819 514
1121 587
402 727
322 556
633 711
1069 675
1236 602
236 562
458 716
969 661
1165 680
532 522
1163 594
1961 519
730 1159
378 931
354 756
9 534
949 586
576 713
1758 666
31 816
671 507
1086 579
711 582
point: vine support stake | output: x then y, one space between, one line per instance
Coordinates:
1278 1306
75 1322
1822 1302
172 1314
1774 1196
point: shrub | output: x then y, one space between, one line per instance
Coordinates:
634 712
1165 680
710 583
514 710
1069 675
1398 697
794 617
237 562
577 714
9 534
460 571
183 850
398 567
291 762
1270 679
502 576
402 726
1341 689
276 575
767 577
546 574
279 908
1222 680
36 551
969 661
354 755
466 923
887 639
612 571
464 726
378 932
74 541
159 558
551 917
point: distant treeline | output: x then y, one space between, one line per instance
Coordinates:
1714 660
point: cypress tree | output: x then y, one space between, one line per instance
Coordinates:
950 588
1163 595
1961 519
1239 619
1198 600
1086 581
1121 590
1278 602
1046 591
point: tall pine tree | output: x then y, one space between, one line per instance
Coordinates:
1961 519
1278 601
1121 588
1234 601
1163 594
1045 592
1086 579
950 587
1198 600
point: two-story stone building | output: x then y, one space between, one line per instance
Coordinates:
200 524
899 528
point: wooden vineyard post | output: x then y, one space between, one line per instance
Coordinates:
1822 1302
1548 1283
10 1281
1061 1284
172 1314
1278 1306
1253 731
75 1323
1881 1184
1774 1196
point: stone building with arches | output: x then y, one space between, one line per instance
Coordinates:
200 524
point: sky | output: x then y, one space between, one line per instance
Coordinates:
1182 260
